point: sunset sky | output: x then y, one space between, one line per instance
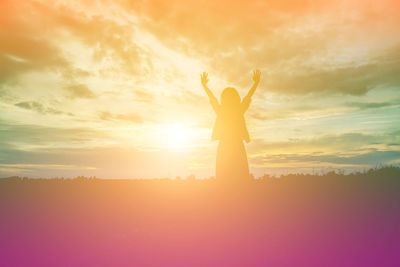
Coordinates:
112 88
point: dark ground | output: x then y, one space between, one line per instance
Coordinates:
330 220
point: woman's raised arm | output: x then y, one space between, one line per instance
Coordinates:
256 79
204 81
213 99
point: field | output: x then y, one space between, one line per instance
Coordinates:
295 220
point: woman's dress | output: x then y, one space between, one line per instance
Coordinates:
230 129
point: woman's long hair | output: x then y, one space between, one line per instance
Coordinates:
230 98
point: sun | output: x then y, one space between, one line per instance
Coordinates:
179 136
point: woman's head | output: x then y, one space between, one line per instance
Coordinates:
230 97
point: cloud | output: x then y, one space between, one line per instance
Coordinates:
108 40
17 167
24 45
372 158
302 47
79 91
40 108
144 96
353 80
21 52
12 133
132 117
28 45
373 105
346 143
187 99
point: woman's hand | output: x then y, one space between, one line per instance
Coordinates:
256 76
204 78
256 79
204 81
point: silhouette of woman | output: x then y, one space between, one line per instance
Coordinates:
230 129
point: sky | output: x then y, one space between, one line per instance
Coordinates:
112 88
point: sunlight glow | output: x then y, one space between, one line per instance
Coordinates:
179 136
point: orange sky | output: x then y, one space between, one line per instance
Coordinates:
112 88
